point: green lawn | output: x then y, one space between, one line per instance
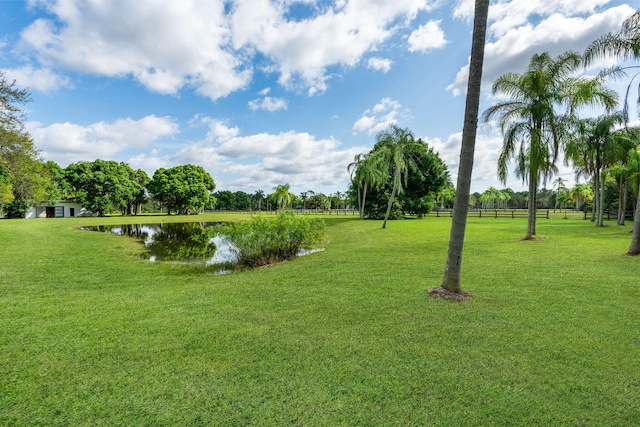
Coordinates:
91 334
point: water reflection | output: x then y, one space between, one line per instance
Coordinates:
187 242
191 241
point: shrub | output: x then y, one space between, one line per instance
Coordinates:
262 241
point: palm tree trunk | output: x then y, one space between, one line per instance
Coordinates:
600 204
634 248
531 212
364 198
391 197
622 204
451 280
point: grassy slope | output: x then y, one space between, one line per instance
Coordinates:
92 335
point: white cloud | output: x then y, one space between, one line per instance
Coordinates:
268 103
427 37
337 36
379 64
555 34
43 79
380 117
263 160
165 45
209 45
66 143
485 163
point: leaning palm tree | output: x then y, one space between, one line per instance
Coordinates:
531 120
451 280
396 148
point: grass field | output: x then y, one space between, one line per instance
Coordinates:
92 335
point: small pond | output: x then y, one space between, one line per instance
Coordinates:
195 242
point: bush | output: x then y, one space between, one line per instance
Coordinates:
262 241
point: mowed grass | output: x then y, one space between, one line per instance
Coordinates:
91 334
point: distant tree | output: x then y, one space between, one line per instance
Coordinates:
243 201
396 147
319 201
225 200
581 193
367 173
258 198
427 174
183 189
103 186
281 196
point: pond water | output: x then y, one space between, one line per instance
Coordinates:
195 242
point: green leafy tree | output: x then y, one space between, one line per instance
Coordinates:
11 97
25 178
426 176
183 189
531 120
104 186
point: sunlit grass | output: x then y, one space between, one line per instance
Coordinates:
92 334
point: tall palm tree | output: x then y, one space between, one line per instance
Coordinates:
451 279
530 122
396 148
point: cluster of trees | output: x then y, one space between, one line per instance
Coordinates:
400 175
282 198
106 186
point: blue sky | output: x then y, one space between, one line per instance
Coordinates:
266 92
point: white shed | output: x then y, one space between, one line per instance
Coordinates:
62 209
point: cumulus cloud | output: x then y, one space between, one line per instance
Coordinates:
269 104
512 47
379 64
378 118
302 50
165 45
67 143
42 79
208 45
263 160
484 167
427 37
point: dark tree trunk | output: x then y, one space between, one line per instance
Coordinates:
634 248
451 280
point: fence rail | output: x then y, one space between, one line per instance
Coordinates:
523 213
